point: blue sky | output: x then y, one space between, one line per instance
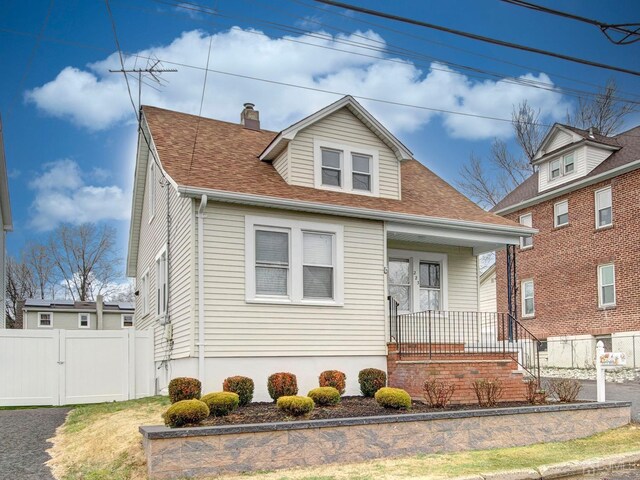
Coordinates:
68 123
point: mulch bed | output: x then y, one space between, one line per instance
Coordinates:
266 412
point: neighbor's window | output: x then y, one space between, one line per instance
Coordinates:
152 190
527 221
430 293
127 320
161 283
568 164
272 262
554 169
331 167
606 285
361 172
317 265
45 319
561 213
528 307
84 320
604 212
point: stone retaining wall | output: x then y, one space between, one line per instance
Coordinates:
200 451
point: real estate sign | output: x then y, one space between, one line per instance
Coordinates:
613 359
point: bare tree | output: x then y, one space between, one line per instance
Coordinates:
526 125
603 111
84 255
41 265
20 286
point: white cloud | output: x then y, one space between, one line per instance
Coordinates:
96 99
61 195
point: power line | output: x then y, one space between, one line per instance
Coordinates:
630 34
474 36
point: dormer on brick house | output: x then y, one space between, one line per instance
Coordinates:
341 148
569 153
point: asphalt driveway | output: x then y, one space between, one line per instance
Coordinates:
23 441
628 391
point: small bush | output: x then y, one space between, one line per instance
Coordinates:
243 386
566 390
371 380
185 412
438 393
535 395
488 392
282 384
184 388
333 378
221 403
294 405
324 396
393 398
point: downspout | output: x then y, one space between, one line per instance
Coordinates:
201 343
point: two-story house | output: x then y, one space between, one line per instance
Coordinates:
6 225
257 251
578 277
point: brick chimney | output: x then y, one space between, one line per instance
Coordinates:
249 117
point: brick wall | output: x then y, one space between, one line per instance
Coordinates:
563 264
410 373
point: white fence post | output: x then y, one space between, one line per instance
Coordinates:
61 338
600 380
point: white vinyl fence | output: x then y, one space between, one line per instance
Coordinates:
63 367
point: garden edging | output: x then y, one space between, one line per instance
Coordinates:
180 452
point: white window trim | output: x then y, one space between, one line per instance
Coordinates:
522 245
144 293
522 298
162 251
563 165
597 210
346 166
80 314
415 258
122 315
50 316
152 190
555 214
296 229
601 304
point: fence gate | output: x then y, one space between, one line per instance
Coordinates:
62 367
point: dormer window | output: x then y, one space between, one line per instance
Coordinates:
361 172
568 164
345 168
554 168
562 166
331 167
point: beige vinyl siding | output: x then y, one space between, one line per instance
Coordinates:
595 156
153 237
488 294
560 139
462 269
342 127
237 328
281 164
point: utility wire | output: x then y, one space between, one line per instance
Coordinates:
630 33
474 36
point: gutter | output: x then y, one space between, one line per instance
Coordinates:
201 343
265 201
628 167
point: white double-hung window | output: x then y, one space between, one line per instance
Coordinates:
84 320
361 172
345 168
144 292
331 167
561 213
604 211
527 221
162 273
528 305
606 285
289 261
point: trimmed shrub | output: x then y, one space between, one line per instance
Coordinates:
282 384
294 405
438 393
185 412
221 403
243 386
535 395
371 380
184 388
324 396
488 392
566 390
393 398
333 378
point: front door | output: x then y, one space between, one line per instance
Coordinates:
417 280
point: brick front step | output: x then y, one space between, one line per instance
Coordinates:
461 370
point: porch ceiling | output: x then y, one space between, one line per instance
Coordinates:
480 241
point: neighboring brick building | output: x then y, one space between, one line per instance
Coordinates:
579 277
